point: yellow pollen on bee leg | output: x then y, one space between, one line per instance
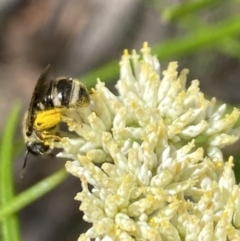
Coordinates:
47 138
47 119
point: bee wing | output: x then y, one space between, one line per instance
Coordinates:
39 93
41 87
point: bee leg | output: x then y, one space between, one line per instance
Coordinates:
69 121
49 137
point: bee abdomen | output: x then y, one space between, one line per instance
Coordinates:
65 93
70 93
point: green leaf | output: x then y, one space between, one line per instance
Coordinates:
33 193
231 47
202 38
105 73
189 7
10 227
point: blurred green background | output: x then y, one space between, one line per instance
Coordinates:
85 39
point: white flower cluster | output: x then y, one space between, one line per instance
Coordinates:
152 156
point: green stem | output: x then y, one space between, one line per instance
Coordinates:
10 227
33 193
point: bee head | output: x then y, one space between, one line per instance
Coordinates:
36 148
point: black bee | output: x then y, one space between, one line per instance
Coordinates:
51 97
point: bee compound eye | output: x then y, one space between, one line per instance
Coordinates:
37 148
28 133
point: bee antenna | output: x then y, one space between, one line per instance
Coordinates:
24 164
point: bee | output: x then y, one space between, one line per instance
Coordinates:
51 97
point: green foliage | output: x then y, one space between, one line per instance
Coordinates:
10 204
10 225
33 193
221 35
